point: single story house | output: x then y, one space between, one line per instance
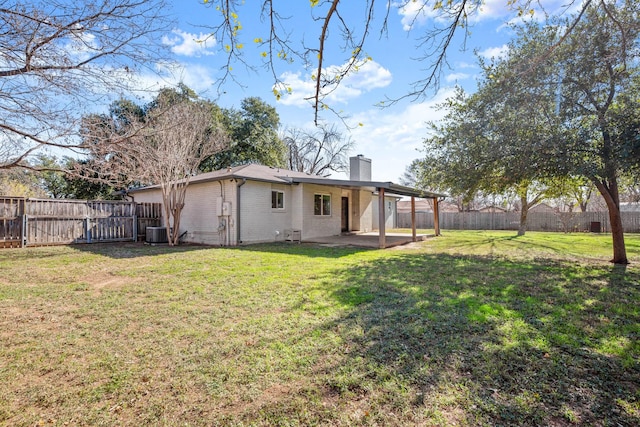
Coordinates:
254 203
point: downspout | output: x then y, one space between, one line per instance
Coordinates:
244 180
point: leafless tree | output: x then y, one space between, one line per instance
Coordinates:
59 57
165 148
319 151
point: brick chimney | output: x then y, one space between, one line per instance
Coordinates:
359 168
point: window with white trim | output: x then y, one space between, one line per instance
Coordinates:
322 204
277 199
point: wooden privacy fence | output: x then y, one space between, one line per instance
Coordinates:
36 222
536 221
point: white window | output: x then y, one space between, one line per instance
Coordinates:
322 204
277 199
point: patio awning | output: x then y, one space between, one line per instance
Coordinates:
388 187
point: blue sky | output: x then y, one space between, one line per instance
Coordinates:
392 136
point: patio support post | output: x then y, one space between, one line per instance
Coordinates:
436 216
413 219
382 239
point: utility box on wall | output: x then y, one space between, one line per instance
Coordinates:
223 208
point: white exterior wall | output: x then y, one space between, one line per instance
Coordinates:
297 207
258 221
199 218
320 225
390 212
365 210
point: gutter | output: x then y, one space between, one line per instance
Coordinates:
244 180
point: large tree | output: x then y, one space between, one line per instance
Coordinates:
164 146
59 57
560 105
483 145
253 137
595 74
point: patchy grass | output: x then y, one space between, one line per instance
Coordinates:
473 328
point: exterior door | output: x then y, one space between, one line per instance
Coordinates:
345 214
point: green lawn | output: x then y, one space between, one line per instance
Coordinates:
471 328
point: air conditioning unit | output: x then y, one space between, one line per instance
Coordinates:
156 235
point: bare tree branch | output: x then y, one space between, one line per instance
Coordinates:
317 152
352 32
58 58
165 149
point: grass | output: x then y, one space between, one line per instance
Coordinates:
473 328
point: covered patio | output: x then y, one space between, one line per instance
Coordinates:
384 240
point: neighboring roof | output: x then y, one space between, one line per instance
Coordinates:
423 205
542 207
262 173
629 207
492 208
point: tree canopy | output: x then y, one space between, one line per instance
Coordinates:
551 110
253 137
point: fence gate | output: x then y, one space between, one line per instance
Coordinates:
11 226
36 222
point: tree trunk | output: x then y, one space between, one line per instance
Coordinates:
610 194
523 215
167 214
175 236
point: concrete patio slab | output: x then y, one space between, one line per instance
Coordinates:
366 240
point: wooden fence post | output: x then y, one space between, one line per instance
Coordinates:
22 211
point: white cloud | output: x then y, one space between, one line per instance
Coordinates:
454 77
188 44
415 13
393 137
197 77
82 45
497 52
369 75
491 9
466 65
419 12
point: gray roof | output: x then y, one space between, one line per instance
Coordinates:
262 173
253 172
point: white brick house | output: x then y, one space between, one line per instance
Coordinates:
254 203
